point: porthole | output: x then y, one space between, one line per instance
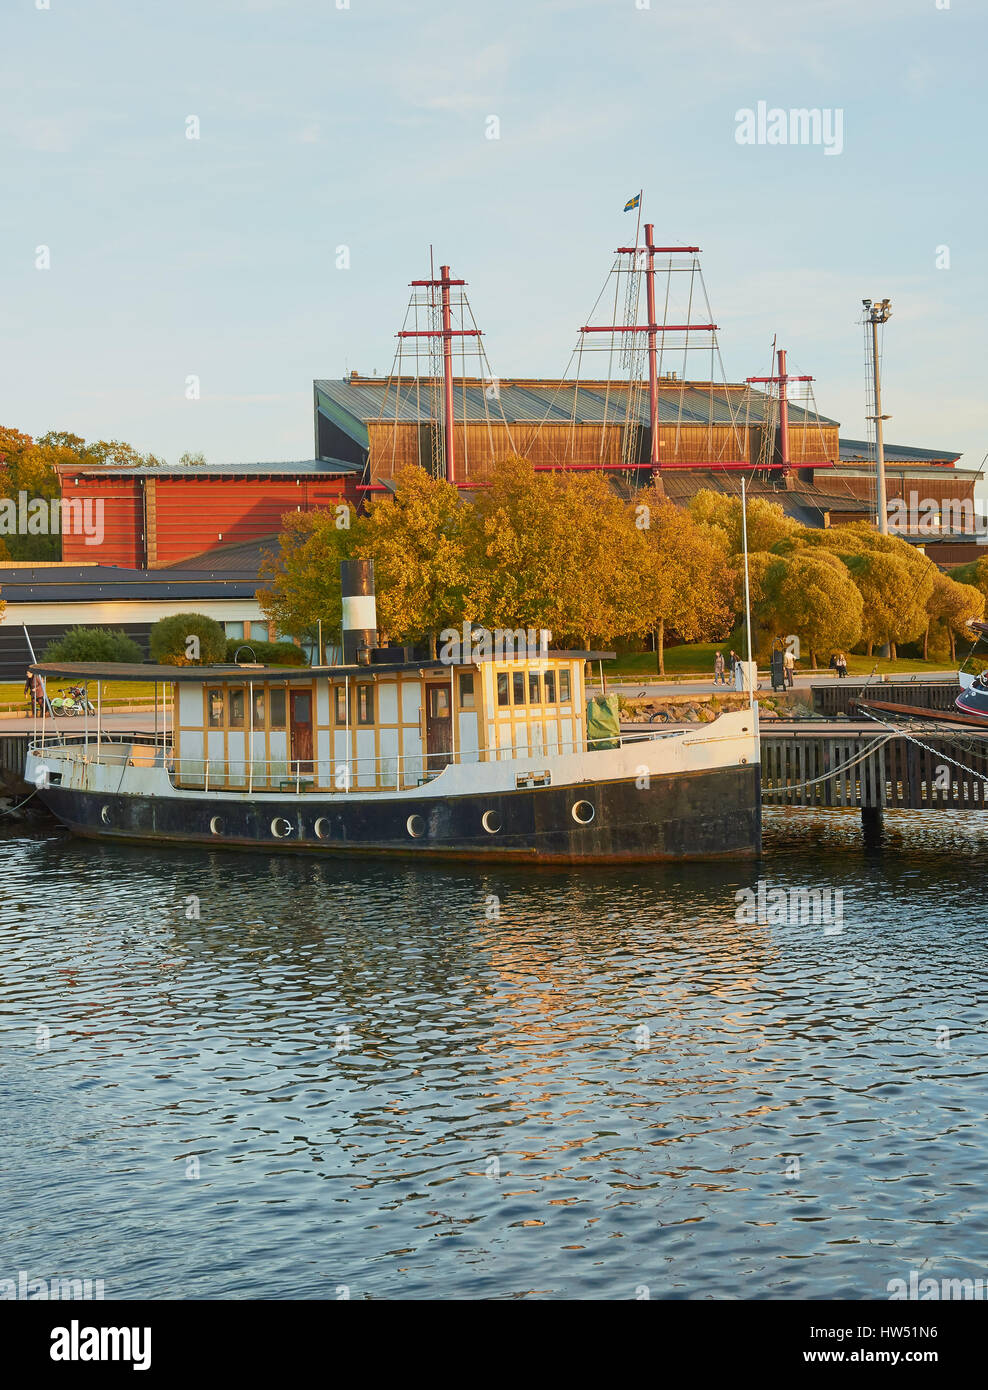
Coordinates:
104 815
281 827
491 821
322 828
583 813
415 826
216 825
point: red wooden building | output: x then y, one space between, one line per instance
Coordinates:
153 517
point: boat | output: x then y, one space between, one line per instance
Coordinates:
973 698
489 752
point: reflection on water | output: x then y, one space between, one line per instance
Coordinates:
494 1082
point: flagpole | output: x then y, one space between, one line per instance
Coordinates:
641 196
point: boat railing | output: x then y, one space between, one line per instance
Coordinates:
387 772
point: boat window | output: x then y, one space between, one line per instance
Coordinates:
339 696
518 688
502 687
236 709
563 686
466 692
258 709
550 687
365 704
215 703
534 688
277 709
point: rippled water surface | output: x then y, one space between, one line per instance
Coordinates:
428 1082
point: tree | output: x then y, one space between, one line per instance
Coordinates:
813 596
424 544
32 466
768 525
895 590
557 551
684 580
948 609
302 582
187 639
94 644
190 460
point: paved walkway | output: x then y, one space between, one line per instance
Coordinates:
650 686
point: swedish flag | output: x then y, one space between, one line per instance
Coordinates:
632 202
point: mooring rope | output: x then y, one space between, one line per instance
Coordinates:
833 772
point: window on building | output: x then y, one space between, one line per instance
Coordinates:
534 688
502 688
365 704
234 630
466 692
339 695
277 703
518 687
550 687
236 699
214 701
563 686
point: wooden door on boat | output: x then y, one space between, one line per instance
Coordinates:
438 726
300 706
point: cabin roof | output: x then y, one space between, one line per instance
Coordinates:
219 675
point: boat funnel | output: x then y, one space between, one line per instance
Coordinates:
359 610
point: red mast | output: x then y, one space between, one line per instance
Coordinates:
447 333
652 327
782 379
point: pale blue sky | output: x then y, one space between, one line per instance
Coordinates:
366 127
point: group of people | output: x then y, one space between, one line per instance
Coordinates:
838 663
721 664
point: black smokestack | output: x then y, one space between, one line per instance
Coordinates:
359 609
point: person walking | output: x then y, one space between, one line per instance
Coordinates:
719 672
789 667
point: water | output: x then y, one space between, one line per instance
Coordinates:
388 1089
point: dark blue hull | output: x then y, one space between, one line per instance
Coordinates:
696 815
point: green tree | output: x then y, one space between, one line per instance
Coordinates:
424 542
813 596
188 639
302 581
768 525
557 551
948 610
94 644
895 590
684 581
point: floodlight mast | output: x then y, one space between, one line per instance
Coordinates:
878 312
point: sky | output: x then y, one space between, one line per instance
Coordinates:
324 124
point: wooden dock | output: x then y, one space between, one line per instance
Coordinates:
867 767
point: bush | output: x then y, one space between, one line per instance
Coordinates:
171 645
93 644
268 653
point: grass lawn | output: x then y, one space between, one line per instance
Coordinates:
698 659
12 693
